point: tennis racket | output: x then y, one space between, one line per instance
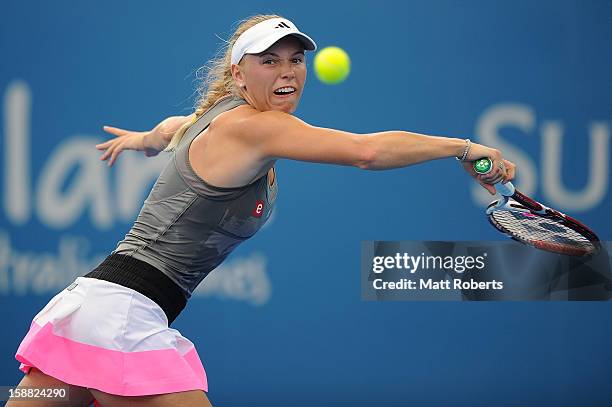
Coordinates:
529 222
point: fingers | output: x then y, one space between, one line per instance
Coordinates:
490 188
511 171
494 179
497 174
107 153
105 145
469 167
115 154
112 151
115 131
502 171
125 140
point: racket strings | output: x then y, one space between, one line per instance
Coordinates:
545 233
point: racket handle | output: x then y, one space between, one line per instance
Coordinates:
506 189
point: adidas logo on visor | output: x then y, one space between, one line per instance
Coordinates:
264 34
282 25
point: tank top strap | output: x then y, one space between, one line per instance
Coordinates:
181 156
223 105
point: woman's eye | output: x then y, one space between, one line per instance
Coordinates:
268 61
298 60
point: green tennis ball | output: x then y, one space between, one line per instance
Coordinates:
332 65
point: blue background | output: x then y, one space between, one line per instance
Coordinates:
435 67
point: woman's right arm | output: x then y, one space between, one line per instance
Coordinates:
280 135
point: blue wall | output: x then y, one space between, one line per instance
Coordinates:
282 322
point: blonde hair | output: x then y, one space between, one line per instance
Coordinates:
218 81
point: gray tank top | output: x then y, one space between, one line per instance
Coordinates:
186 226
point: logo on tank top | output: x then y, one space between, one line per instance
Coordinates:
258 210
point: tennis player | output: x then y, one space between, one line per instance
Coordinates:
107 335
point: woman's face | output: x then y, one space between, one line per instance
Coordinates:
275 78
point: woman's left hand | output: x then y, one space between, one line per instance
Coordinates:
124 140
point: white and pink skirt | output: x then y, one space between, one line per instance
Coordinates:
104 336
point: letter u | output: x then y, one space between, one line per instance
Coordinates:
596 165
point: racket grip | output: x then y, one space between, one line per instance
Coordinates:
506 189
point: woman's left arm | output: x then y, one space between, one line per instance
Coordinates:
151 142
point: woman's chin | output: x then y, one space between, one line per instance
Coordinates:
287 107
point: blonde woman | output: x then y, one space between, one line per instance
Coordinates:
107 334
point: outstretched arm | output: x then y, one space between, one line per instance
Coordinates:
279 135
151 142
398 149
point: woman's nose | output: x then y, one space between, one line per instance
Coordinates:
288 70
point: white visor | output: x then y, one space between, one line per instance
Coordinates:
263 35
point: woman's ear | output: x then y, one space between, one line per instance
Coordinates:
238 76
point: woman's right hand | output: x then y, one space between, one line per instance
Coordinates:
503 170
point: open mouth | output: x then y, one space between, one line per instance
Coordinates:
285 90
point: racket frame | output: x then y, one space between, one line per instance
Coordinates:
508 202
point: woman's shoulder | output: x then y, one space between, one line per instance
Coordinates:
229 127
247 121
231 120
235 115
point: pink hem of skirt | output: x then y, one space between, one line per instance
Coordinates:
111 371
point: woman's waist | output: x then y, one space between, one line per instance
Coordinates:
144 278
